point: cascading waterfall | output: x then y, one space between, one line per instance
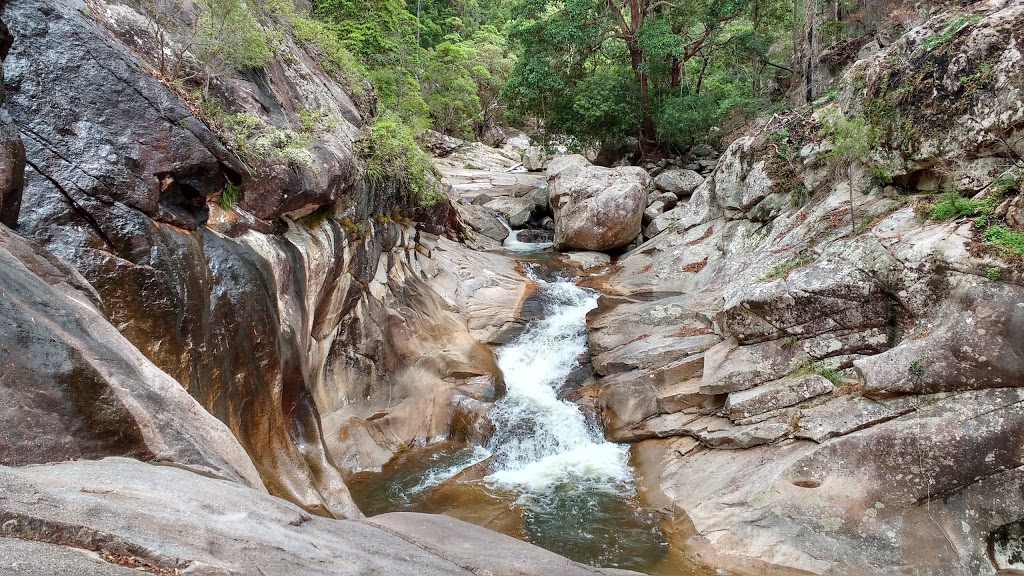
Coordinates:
547 464
542 442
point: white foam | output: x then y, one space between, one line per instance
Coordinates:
541 441
512 243
589 465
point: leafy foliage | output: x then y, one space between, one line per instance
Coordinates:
393 159
1005 241
953 205
680 67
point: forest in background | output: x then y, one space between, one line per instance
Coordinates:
623 76
661 75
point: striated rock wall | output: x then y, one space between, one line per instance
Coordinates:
301 317
815 387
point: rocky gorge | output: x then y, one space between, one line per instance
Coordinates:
809 373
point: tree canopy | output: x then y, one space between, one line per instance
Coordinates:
662 71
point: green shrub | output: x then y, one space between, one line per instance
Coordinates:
323 43
1005 241
826 372
948 31
255 140
953 205
229 36
993 274
313 121
916 370
1007 183
393 159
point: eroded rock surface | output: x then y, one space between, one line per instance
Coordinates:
859 391
282 326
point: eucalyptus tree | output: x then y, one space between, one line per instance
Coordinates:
585 64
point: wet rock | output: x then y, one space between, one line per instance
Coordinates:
596 208
483 221
535 236
482 551
12 153
516 210
587 260
73 387
132 141
681 183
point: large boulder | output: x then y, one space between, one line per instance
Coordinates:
679 182
536 158
482 220
517 211
596 208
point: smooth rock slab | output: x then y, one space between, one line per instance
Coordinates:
482 551
588 260
848 414
71 386
774 395
173 518
30 558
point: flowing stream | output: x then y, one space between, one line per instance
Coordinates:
547 475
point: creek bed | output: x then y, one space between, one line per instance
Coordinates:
547 475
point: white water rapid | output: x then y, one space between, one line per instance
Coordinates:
513 244
541 442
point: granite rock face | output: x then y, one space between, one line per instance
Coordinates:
275 322
74 388
12 152
860 389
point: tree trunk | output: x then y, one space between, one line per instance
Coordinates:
853 218
648 135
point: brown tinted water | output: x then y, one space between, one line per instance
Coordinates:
594 527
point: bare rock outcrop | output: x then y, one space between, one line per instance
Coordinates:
74 388
280 323
857 405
